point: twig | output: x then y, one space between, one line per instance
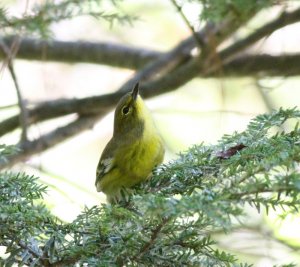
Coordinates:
21 102
180 56
154 236
23 114
52 109
66 261
199 40
34 253
8 106
235 196
264 97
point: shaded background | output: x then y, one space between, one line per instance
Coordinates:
202 110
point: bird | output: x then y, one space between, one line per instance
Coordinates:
135 148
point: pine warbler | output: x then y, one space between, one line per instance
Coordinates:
134 149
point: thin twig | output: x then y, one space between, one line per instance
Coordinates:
8 106
21 102
34 253
24 113
66 262
198 40
153 238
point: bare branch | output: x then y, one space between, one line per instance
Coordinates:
29 148
247 65
115 55
181 54
286 18
267 65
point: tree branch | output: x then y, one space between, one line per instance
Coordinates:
66 261
247 65
115 55
286 18
126 56
167 61
53 109
267 65
29 148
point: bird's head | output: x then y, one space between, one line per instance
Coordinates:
130 113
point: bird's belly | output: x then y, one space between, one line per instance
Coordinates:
142 159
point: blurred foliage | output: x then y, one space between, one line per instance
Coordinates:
41 16
6 151
170 219
216 10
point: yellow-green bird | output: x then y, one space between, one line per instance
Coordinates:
134 149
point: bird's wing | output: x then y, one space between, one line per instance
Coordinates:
104 166
106 163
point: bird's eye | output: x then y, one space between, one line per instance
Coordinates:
125 110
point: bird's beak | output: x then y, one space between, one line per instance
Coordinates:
135 91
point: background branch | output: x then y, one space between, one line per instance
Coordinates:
247 65
29 148
115 55
286 18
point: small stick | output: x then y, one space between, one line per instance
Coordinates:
198 39
10 53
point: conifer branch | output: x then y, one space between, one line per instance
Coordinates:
154 236
199 191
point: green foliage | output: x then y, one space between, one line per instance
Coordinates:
39 19
170 218
216 10
6 151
